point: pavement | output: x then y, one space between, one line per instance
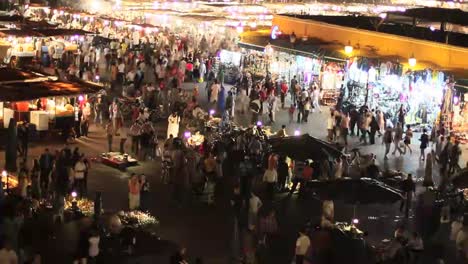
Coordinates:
206 231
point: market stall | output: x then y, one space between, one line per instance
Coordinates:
384 85
40 99
459 126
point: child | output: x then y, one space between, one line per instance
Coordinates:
291 111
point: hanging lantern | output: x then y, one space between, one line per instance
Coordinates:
412 61
348 49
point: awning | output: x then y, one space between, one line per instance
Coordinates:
312 48
49 32
436 14
251 46
29 91
22 85
20 33
9 75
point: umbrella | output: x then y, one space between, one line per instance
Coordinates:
356 191
144 25
99 40
304 147
460 179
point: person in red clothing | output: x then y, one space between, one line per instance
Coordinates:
284 91
307 173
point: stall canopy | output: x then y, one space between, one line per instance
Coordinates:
356 191
17 85
9 75
304 147
13 18
49 32
29 91
313 47
20 33
454 16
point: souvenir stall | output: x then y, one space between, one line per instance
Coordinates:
42 112
255 62
41 99
384 86
330 82
327 76
454 111
230 61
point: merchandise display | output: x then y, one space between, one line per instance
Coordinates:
386 87
118 160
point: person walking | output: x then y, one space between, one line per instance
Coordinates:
424 142
134 189
271 179
345 128
374 128
268 228
401 116
366 118
144 193
307 107
214 93
123 139
110 135
300 111
316 100
302 245
292 86
455 154
46 162
387 140
254 206
409 188
173 125
381 120
330 125
35 182
79 176
291 111
397 139
284 91
407 140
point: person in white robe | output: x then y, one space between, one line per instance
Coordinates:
173 126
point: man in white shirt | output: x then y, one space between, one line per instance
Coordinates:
79 178
131 76
121 71
254 205
302 245
8 255
270 178
316 99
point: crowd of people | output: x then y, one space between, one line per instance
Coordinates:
146 73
